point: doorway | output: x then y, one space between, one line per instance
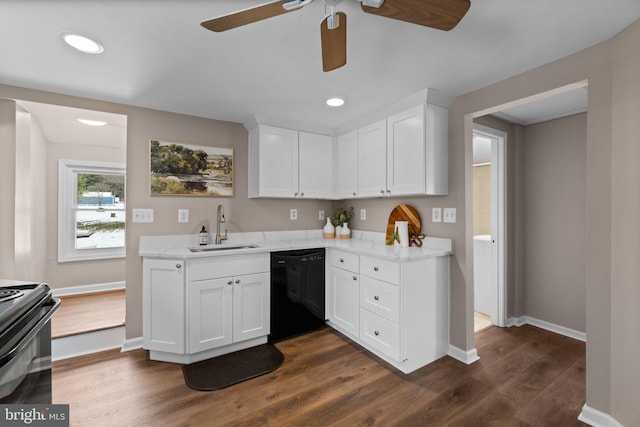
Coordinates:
489 226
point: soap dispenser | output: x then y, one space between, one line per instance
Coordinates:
204 236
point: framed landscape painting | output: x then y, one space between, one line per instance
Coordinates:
190 170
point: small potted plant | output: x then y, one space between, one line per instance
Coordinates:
340 220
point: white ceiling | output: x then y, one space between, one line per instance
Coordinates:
158 56
542 110
60 125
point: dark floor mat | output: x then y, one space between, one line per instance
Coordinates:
228 369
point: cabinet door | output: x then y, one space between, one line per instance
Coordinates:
315 161
406 152
278 162
346 164
210 314
344 303
372 160
163 327
251 306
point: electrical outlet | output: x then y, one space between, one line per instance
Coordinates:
142 215
450 215
321 215
363 214
183 215
436 215
293 214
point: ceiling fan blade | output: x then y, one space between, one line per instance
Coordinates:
439 14
334 43
247 16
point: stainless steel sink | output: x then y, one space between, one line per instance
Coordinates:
213 248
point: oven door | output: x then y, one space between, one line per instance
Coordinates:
25 358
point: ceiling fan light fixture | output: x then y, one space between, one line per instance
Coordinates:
82 43
92 122
335 102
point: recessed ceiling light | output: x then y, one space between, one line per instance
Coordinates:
335 102
92 122
81 43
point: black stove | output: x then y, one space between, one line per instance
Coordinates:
8 293
25 341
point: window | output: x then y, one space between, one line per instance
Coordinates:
91 210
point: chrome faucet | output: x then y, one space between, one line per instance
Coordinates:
219 220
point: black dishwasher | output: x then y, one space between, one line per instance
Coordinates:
297 292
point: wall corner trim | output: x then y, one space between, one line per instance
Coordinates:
131 344
88 289
466 357
558 329
596 418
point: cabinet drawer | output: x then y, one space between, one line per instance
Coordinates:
344 260
382 334
380 297
387 271
225 266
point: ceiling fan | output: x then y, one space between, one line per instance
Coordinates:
440 14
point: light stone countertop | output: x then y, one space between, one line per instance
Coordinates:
361 243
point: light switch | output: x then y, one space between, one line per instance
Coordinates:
183 215
450 215
321 215
293 214
363 214
142 215
436 214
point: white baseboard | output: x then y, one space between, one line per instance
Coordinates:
132 344
596 418
567 332
467 357
91 342
88 289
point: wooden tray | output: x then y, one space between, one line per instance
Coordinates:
404 213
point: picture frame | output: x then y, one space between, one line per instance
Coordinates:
179 169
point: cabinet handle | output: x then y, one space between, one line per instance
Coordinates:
376 333
341 260
388 191
302 194
355 277
237 280
229 282
354 193
382 191
178 265
375 268
295 194
376 297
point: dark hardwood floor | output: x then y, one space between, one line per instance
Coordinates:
526 377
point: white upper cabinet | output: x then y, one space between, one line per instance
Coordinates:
286 163
372 160
437 150
346 166
273 162
406 152
315 155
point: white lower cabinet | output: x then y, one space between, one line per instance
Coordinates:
163 305
380 333
219 305
344 290
402 309
227 310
